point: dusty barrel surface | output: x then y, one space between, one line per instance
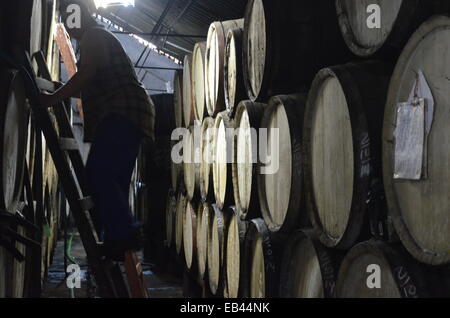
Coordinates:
171 210
198 80
203 217
234 87
176 171
180 211
261 267
207 151
420 208
342 133
285 45
308 269
245 164
280 172
191 161
189 235
188 97
235 231
214 65
377 270
398 20
13 137
178 98
216 246
223 157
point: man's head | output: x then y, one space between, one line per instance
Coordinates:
77 16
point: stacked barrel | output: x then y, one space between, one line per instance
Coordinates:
30 198
290 185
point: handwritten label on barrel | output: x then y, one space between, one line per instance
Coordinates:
409 140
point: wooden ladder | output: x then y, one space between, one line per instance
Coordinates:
66 156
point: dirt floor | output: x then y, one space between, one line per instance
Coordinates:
159 286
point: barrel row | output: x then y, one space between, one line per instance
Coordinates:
335 137
29 184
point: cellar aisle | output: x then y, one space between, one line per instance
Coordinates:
159 285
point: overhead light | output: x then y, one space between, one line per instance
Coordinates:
112 3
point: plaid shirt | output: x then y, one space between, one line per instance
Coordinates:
116 89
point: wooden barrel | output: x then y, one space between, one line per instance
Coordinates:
286 43
188 98
176 172
399 19
234 87
15 274
37 27
189 235
207 151
308 269
171 210
178 97
214 65
181 208
223 157
216 246
203 215
280 190
342 133
420 209
245 164
191 164
235 231
398 275
198 80
261 272
13 137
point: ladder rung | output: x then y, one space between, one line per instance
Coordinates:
45 85
87 203
68 144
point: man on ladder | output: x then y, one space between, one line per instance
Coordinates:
118 115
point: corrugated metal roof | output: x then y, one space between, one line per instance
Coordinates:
180 17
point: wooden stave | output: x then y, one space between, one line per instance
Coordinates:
235 35
242 230
329 261
204 211
421 281
206 192
281 28
271 259
199 54
178 98
294 107
255 113
188 98
361 108
411 15
421 254
14 82
170 218
216 287
228 197
220 27
181 207
190 252
191 169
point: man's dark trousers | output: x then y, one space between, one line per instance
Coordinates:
109 168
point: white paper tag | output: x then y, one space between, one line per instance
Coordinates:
409 140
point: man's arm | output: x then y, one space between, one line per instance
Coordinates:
88 68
